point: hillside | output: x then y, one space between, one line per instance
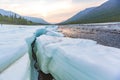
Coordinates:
14 20
107 12
7 17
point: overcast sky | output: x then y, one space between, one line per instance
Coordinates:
51 10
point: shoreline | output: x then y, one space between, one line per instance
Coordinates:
102 33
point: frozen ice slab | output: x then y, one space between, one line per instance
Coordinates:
32 47
53 33
9 54
13 47
77 59
13 43
20 70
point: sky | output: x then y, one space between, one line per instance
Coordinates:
53 11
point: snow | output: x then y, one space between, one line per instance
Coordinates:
73 59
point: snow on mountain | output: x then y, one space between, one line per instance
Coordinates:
33 19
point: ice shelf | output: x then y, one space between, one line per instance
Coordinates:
24 50
77 59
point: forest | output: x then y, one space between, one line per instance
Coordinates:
15 20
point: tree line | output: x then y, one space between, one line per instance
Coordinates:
14 19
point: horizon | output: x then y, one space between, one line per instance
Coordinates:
48 10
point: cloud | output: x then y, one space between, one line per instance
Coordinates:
85 1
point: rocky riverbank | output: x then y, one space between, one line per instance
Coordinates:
106 34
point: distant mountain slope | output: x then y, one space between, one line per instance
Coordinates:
36 20
79 15
8 13
107 12
33 19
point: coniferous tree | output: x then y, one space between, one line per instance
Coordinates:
13 19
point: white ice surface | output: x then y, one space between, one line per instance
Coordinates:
14 59
64 58
77 59
20 70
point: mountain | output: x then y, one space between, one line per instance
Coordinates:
8 13
36 20
78 15
107 12
33 19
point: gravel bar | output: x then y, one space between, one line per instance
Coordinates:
107 34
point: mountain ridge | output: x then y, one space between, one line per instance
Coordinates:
107 12
33 19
